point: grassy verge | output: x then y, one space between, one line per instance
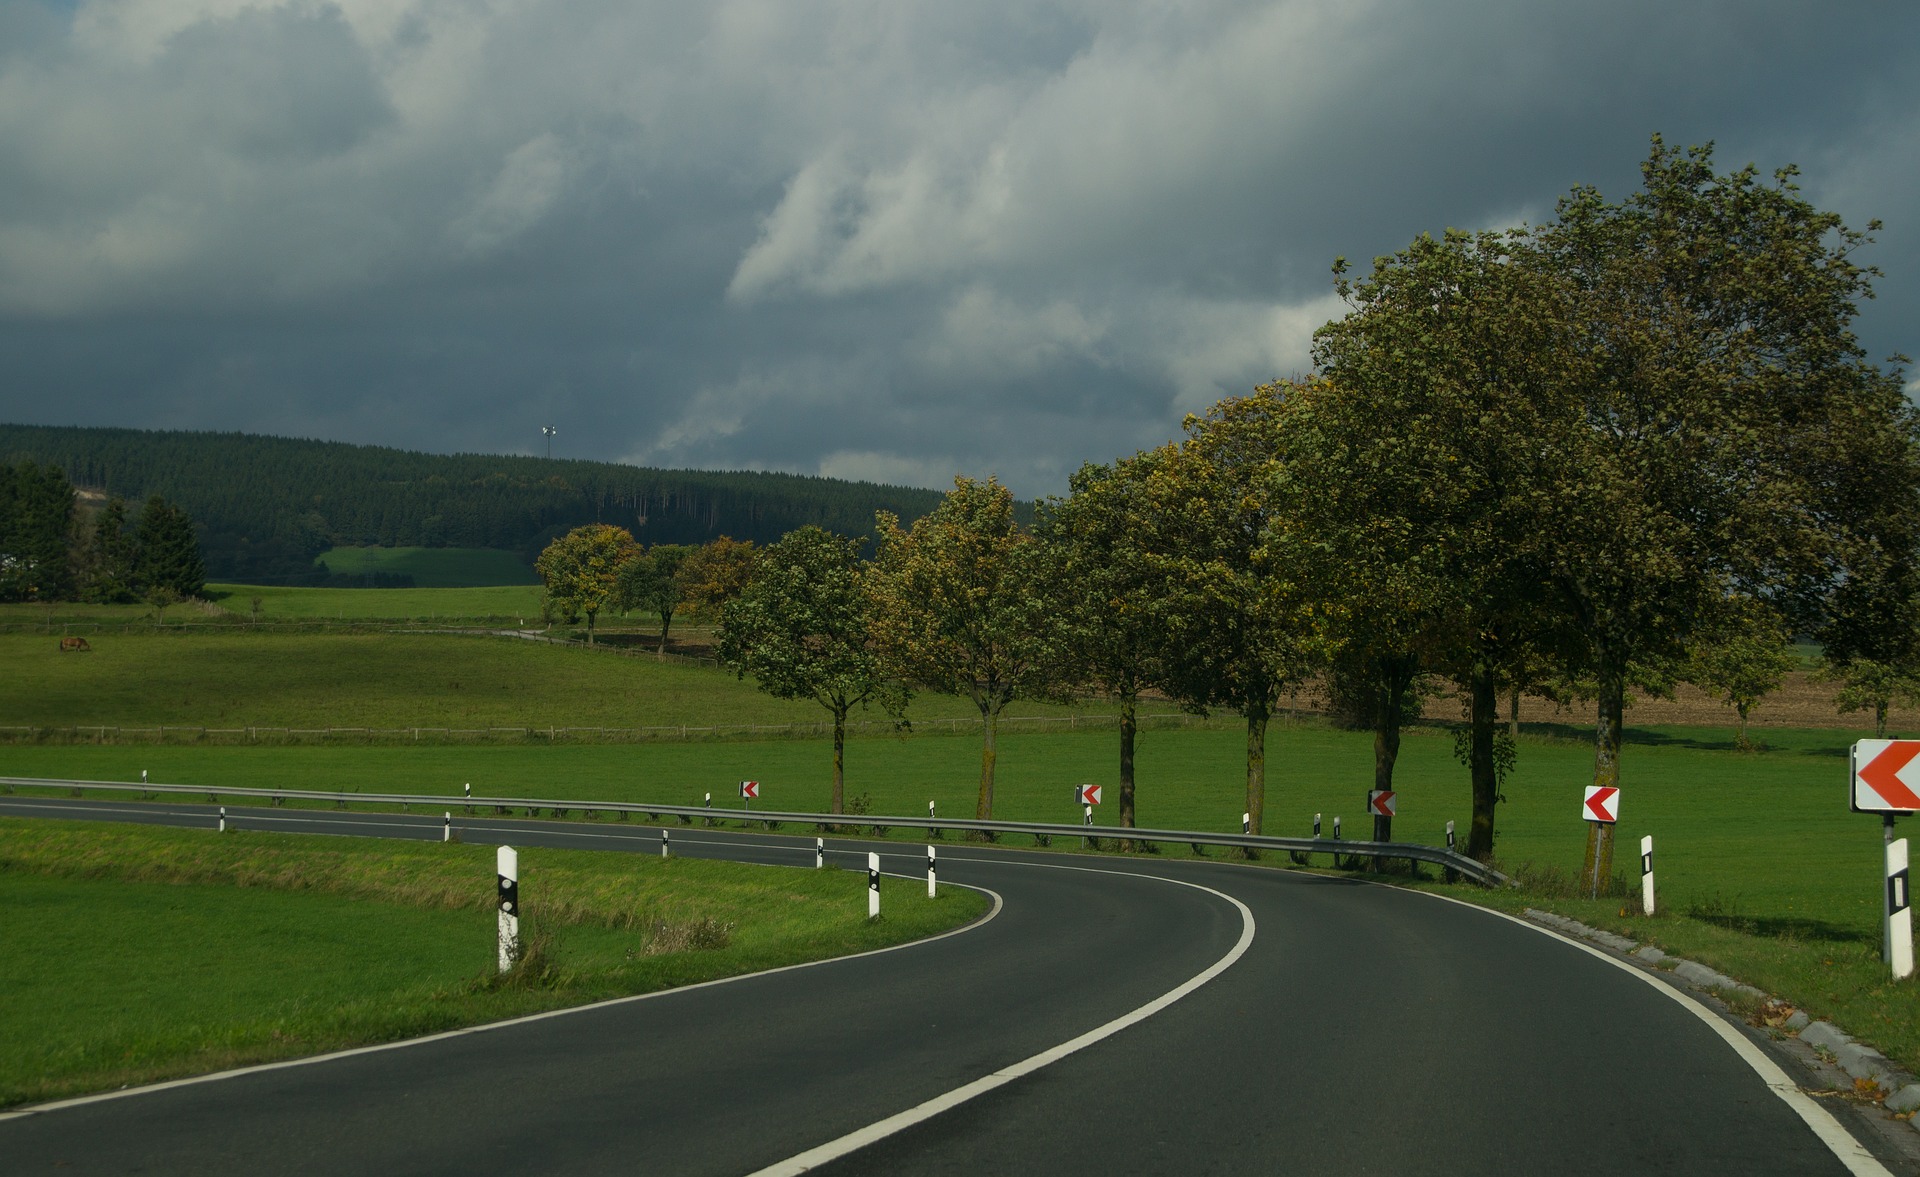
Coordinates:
139 954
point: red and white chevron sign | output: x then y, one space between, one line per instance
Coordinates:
1602 804
1886 776
750 789
1086 794
1380 801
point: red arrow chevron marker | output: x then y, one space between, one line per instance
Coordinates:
1882 775
1601 805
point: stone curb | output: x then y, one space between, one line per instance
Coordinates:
1858 1061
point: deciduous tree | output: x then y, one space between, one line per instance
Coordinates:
1736 442
958 611
581 571
1238 630
1106 588
652 582
801 628
1415 477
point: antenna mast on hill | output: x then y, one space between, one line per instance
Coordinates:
549 431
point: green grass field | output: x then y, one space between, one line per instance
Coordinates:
384 680
434 567
138 954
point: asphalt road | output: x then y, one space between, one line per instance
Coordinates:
1362 1029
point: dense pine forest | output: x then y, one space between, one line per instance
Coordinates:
266 506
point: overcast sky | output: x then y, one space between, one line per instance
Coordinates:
884 239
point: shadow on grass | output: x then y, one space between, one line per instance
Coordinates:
1787 927
1802 742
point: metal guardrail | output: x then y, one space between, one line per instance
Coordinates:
1449 860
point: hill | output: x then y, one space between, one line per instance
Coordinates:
266 506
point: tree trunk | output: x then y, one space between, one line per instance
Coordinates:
666 619
1880 719
1598 868
1483 707
589 627
1127 729
1256 764
839 802
1740 741
989 753
1395 677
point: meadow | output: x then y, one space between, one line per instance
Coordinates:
236 679
138 954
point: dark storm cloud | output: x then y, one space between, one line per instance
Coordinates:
884 240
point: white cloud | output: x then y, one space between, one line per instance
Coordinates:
529 182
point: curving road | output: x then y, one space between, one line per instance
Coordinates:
1330 1026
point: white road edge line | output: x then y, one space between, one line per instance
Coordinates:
284 1064
880 1129
1831 1132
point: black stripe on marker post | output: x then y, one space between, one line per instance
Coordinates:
1898 896
509 894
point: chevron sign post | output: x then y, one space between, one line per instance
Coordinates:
1380 805
1885 779
1601 809
748 791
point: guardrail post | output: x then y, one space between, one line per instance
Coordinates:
873 885
930 869
1646 874
1900 905
507 877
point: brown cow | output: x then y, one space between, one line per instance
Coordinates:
74 644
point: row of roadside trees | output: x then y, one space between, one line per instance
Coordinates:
1634 445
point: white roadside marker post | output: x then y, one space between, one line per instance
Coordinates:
873 886
664 851
1316 825
223 819
933 831
1450 850
446 827
468 787
1246 823
1646 874
1336 829
819 853
1900 903
1087 821
930 872
507 876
